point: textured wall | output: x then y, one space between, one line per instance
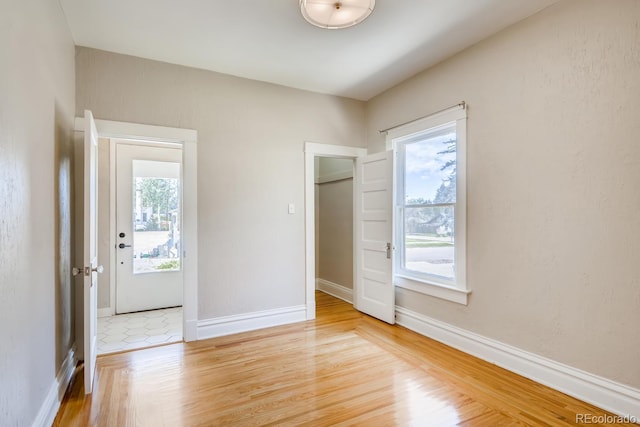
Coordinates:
36 120
553 173
250 166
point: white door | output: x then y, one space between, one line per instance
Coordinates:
90 257
374 197
148 227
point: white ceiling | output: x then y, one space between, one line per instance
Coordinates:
268 40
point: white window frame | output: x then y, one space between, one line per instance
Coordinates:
455 291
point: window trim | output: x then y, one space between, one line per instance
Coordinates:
456 292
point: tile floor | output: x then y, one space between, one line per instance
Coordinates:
138 330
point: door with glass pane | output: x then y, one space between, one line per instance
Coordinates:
148 227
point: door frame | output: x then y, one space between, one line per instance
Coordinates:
188 138
311 151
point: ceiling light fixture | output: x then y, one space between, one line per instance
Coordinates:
334 14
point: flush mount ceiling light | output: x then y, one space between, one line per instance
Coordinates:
333 14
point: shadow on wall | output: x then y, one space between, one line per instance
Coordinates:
63 171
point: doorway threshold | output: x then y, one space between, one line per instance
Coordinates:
141 329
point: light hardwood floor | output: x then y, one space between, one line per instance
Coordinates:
344 368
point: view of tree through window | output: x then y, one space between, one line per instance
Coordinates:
429 202
156 225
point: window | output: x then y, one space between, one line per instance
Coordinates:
156 216
430 201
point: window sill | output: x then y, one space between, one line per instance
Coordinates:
445 292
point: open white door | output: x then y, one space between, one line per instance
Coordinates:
148 238
374 200
90 257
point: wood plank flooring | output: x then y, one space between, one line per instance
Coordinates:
344 368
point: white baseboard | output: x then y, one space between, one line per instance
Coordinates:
335 290
617 398
105 312
49 409
227 325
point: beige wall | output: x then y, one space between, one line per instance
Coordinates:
250 166
36 120
553 173
331 168
334 227
552 164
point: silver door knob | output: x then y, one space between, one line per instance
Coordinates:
87 270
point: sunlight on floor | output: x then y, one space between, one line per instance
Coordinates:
423 407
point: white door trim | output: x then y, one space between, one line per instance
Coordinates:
311 150
188 138
112 227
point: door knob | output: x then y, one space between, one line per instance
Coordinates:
122 246
87 270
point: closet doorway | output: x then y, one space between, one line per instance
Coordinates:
313 153
333 198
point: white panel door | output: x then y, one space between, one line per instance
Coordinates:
374 287
90 257
148 227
